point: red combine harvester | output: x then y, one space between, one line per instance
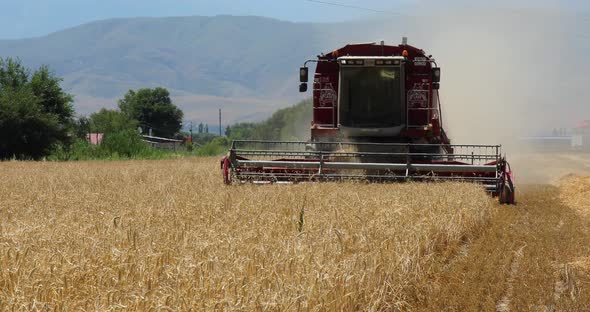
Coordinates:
376 117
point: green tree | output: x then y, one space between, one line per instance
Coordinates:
204 138
25 131
125 143
215 147
291 123
53 100
153 108
241 131
13 75
111 121
82 127
36 115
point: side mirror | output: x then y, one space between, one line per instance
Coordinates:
303 87
303 74
436 74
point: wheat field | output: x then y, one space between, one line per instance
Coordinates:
168 235
574 190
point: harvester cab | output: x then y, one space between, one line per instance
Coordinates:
376 117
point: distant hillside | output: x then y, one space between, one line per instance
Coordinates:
202 59
219 56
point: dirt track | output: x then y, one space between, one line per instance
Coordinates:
523 261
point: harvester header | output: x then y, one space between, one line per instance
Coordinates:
376 117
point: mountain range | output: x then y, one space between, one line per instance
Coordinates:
224 61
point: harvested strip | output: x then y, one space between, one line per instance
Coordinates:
553 233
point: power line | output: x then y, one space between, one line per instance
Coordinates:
352 7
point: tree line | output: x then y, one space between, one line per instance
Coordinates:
37 120
37 117
291 123
35 113
148 110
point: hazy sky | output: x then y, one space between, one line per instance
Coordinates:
28 18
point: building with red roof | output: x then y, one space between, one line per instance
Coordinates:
94 138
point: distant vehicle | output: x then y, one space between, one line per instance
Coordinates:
581 136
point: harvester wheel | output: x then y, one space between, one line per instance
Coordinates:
506 195
226 171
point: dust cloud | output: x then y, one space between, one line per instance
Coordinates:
507 73
502 73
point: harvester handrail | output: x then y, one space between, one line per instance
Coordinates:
341 153
352 165
368 144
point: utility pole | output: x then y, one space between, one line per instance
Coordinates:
220 122
191 132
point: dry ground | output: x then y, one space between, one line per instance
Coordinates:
167 235
532 257
548 168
